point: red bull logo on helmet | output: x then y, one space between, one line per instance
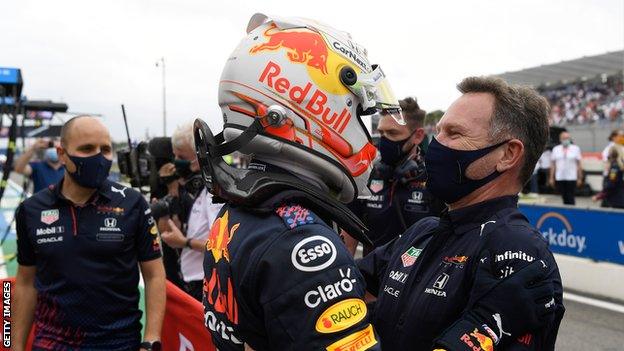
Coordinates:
316 103
304 46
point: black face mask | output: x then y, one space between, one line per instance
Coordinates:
392 151
91 171
183 168
446 171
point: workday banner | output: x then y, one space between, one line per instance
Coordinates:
590 233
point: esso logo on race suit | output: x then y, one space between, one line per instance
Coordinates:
313 254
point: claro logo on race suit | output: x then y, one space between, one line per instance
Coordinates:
313 254
341 316
325 293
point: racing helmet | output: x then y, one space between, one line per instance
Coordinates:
315 83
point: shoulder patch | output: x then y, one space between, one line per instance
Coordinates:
295 215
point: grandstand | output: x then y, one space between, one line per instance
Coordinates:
585 68
586 95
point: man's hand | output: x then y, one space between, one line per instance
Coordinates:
579 182
503 308
41 144
551 182
174 236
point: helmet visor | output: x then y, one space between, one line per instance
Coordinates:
375 91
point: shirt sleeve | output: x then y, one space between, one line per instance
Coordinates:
34 166
147 238
513 248
25 250
578 155
373 265
310 293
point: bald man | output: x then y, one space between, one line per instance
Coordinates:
81 243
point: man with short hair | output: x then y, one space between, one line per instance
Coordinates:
566 171
431 283
397 183
45 172
80 245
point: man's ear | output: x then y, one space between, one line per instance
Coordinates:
513 154
65 160
418 136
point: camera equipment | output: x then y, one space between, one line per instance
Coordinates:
162 207
141 163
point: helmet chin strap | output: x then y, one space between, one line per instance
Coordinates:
304 174
259 190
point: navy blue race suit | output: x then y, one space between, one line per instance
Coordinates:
282 280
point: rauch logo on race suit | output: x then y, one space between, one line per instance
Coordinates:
313 254
341 316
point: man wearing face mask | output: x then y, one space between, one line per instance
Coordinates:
566 171
399 198
43 173
189 231
80 245
432 284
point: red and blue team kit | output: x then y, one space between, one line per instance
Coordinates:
282 280
423 279
87 266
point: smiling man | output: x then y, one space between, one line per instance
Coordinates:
80 245
435 283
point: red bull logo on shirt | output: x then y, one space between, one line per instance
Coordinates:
477 341
220 295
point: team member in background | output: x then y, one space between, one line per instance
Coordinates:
433 283
80 245
613 184
399 197
43 173
191 233
605 151
566 171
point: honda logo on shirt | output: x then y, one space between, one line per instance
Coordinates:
440 283
110 222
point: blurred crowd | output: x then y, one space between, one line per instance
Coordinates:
597 101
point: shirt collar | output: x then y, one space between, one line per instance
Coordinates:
103 193
466 218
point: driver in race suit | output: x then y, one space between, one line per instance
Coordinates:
277 275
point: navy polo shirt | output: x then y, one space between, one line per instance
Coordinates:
43 175
87 266
423 279
380 212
